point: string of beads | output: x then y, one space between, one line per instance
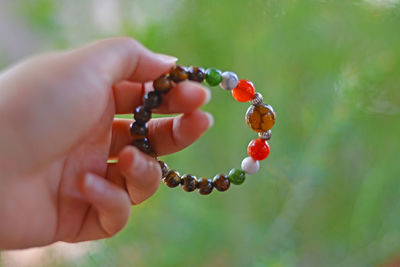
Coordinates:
260 117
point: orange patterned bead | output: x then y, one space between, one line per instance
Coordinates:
260 118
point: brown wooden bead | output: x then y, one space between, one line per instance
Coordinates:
189 183
142 144
196 74
152 100
221 182
142 114
164 168
178 74
137 128
162 84
152 153
205 186
172 179
260 118
135 136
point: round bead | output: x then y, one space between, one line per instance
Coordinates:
178 74
244 91
196 74
250 166
137 128
172 179
189 183
162 84
236 176
260 118
265 135
142 144
141 114
258 149
205 186
257 99
221 182
164 168
213 76
229 80
152 100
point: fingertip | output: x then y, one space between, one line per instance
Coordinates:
151 65
97 189
197 120
132 158
110 201
125 58
92 184
142 173
186 97
208 96
195 93
167 58
190 126
125 158
210 118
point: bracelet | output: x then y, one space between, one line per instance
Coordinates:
260 118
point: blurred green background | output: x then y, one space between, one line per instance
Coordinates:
328 195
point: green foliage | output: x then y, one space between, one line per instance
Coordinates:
328 195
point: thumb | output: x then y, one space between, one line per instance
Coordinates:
111 202
142 173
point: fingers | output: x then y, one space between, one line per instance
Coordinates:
123 59
184 97
142 173
111 203
166 135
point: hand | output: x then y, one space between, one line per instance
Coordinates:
57 130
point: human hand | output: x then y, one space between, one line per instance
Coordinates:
58 131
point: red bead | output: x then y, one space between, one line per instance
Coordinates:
244 91
258 149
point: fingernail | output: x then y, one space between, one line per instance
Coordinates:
208 95
91 181
139 164
210 119
167 58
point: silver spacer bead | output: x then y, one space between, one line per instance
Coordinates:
257 99
229 80
265 135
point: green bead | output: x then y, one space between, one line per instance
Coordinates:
213 76
236 176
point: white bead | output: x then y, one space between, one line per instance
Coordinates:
250 166
229 80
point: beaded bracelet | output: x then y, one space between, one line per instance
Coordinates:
260 117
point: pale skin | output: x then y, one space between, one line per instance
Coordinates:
57 131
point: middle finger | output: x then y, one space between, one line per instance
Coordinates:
184 97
